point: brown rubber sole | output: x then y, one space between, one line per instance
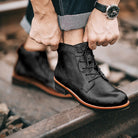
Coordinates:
22 80
87 104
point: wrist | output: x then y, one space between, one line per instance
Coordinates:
96 13
46 18
109 2
43 8
111 11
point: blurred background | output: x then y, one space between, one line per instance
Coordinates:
118 62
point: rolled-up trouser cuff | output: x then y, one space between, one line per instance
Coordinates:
70 22
66 22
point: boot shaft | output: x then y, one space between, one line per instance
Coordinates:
33 64
74 62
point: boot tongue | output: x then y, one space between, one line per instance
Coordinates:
89 59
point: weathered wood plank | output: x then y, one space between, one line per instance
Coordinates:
32 104
13 5
28 102
120 57
77 117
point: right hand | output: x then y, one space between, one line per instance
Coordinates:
100 30
45 30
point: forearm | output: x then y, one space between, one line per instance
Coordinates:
109 2
44 27
43 8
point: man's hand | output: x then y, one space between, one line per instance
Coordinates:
100 30
45 28
46 31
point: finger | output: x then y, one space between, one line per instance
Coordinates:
105 43
92 45
54 48
55 42
46 42
98 43
113 41
109 38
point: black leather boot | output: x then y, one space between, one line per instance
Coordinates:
33 68
78 74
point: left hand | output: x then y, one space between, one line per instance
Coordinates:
100 30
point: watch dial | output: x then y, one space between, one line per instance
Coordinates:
112 11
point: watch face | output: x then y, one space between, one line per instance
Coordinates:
112 11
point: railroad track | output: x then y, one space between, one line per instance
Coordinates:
65 118
54 117
80 122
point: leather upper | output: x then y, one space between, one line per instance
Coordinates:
34 65
77 70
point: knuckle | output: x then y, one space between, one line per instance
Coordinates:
37 40
54 48
92 38
109 38
55 42
98 44
102 39
45 42
32 37
98 39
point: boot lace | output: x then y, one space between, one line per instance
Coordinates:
91 68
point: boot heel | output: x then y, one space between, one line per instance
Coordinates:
60 89
19 82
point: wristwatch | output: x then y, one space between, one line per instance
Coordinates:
110 11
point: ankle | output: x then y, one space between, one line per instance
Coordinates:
73 37
32 45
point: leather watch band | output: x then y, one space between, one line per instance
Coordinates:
100 7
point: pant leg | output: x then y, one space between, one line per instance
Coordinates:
73 14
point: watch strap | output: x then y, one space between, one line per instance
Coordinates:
100 7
